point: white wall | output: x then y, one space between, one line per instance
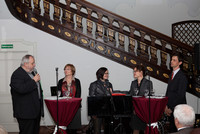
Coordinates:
53 52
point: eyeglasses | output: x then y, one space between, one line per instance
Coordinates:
67 69
106 73
135 71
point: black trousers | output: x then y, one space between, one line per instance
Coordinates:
172 127
29 126
102 123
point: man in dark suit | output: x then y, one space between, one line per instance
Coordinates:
176 89
184 117
27 96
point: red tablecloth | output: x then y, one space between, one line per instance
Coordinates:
157 107
66 110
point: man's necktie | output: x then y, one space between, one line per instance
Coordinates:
172 75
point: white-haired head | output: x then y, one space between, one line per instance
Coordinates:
184 114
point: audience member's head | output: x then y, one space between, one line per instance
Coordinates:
184 116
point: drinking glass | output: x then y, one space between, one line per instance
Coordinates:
146 92
59 93
152 92
135 91
67 93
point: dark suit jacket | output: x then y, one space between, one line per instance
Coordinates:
146 84
184 131
176 90
25 98
77 84
97 88
195 131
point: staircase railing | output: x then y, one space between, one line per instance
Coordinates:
104 33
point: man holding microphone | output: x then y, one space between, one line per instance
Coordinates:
27 96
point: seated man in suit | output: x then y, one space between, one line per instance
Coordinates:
184 117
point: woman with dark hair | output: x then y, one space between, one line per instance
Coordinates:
140 87
100 87
71 87
141 83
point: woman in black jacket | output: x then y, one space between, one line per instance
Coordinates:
142 85
100 87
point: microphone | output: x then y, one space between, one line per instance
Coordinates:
146 72
108 86
34 72
56 75
111 97
107 83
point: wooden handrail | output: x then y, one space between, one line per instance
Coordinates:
131 23
126 21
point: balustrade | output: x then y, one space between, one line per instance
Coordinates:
113 36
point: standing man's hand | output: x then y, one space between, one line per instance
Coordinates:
168 111
36 78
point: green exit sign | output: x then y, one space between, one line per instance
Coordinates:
6 46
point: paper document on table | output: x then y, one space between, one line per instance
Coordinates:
55 98
156 97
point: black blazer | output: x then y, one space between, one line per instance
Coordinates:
97 88
25 98
146 84
77 84
176 90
